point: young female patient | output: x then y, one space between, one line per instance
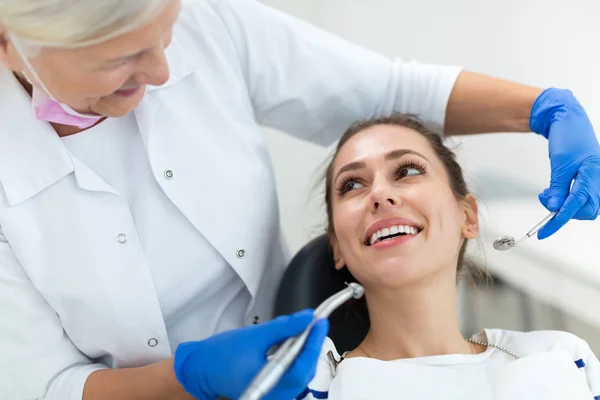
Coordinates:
400 216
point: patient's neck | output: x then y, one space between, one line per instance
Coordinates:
416 321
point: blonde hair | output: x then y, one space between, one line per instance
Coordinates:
74 23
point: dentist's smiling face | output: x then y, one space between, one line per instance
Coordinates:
396 218
108 78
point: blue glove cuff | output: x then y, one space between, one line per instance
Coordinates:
550 105
181 364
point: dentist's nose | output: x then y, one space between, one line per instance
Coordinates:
153 67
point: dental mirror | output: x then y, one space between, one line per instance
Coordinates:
504 243
508 242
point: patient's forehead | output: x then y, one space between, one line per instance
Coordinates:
375 142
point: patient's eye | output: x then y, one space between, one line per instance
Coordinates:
348 183
409 168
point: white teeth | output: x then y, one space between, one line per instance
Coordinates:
393 230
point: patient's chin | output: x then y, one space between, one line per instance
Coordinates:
396 273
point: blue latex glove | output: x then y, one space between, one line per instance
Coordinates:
225 364
574 158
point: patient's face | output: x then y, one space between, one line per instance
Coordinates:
395 216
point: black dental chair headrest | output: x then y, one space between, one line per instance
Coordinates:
311 278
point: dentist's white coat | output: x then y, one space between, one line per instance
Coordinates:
72 295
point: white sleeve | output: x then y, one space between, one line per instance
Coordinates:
312 84
591 367
37 359
318 388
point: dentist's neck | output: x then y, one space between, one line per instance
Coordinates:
24 83
416 321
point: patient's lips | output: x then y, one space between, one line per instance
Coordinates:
391 232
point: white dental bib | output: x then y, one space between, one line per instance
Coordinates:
550 365
547 376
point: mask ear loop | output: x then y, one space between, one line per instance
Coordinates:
20 51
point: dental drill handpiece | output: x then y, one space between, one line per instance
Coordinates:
283 358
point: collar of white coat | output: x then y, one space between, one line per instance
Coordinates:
32 155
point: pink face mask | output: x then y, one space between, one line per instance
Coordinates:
46 107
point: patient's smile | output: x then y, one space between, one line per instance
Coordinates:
390 239
390 232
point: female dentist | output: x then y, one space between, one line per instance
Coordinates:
138 211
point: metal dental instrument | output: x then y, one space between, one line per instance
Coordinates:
508 242
279 363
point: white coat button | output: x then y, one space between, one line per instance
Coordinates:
122 238
153 342
256 320
241 253
169 174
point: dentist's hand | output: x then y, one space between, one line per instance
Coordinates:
574 158
225 364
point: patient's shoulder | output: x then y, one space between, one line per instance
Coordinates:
528 343
318 388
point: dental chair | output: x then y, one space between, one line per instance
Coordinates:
309 279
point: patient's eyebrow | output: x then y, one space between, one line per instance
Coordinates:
392 155
353 166
395 154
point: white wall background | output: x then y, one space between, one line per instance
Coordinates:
538 42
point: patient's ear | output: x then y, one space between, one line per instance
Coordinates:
470 228
337 257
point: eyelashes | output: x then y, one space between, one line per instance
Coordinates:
406 165
403 170
343 184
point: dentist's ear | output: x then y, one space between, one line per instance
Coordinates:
3 44
8 56
470 228
339 260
